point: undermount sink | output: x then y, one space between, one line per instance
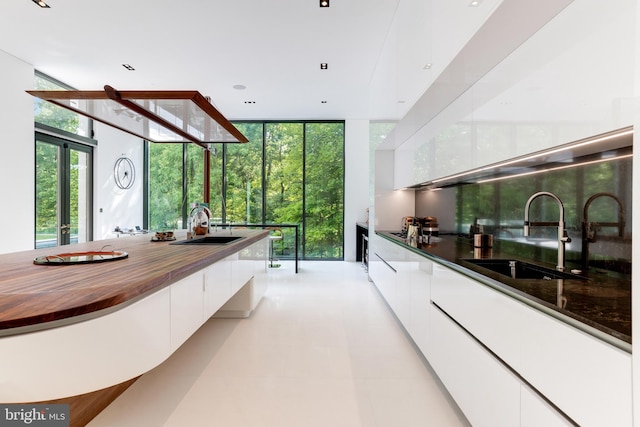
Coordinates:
209 240
522 270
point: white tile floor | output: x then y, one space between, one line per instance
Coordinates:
321 349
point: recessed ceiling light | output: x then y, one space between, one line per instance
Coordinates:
239 87
475 3
324 3
128 67
428 66
324 66
41 3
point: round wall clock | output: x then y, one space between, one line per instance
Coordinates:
124 173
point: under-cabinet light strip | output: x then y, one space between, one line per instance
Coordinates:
573 165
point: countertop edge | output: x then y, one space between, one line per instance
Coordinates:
115 301
598 331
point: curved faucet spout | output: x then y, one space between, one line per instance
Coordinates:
589 229
621 217
563 237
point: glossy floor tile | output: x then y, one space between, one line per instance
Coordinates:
321 349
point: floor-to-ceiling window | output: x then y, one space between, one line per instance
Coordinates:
166 177
324 190
288 173
63 172
244 186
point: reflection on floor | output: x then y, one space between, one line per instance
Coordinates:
322 349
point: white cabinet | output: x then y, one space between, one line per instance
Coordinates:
403 278
481 341
421 304
381 271
578 373
490 316
247 281
227 287
536 412
217 286
186 308
487 392
588 379
413 287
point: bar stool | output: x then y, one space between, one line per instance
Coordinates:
276 236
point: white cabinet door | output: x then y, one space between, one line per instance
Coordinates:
186 308
535 412
248 281
401 302
420 304
588 379
217 286
386 279
243 266
490 316
486 391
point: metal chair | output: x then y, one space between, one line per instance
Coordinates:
277 235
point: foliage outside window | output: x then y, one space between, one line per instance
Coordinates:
46 193
165 186
57 117
500 206
288 172
243 171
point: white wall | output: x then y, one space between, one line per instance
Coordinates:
389 205
17 154
356 182
120 207
114 206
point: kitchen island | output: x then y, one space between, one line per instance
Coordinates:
67 330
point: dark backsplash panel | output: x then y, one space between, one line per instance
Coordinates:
498 208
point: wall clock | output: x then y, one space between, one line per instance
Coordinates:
124 173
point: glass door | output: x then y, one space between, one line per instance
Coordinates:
63 192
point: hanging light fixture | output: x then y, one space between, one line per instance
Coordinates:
41 3
156 116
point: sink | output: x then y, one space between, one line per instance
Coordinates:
209 240
522 270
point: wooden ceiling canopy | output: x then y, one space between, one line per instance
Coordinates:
156 116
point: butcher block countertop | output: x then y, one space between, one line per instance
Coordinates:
35 297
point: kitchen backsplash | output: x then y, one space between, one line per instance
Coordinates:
498 207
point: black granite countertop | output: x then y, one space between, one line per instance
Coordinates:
601 302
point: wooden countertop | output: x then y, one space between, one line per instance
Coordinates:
34 297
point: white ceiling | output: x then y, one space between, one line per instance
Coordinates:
274 48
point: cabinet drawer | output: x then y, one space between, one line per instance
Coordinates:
491 317
486 391
588 379
535 412
186 308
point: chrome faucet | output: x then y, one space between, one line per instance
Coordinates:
563 237
197 210
589 229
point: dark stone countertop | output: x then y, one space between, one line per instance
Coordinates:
602 302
